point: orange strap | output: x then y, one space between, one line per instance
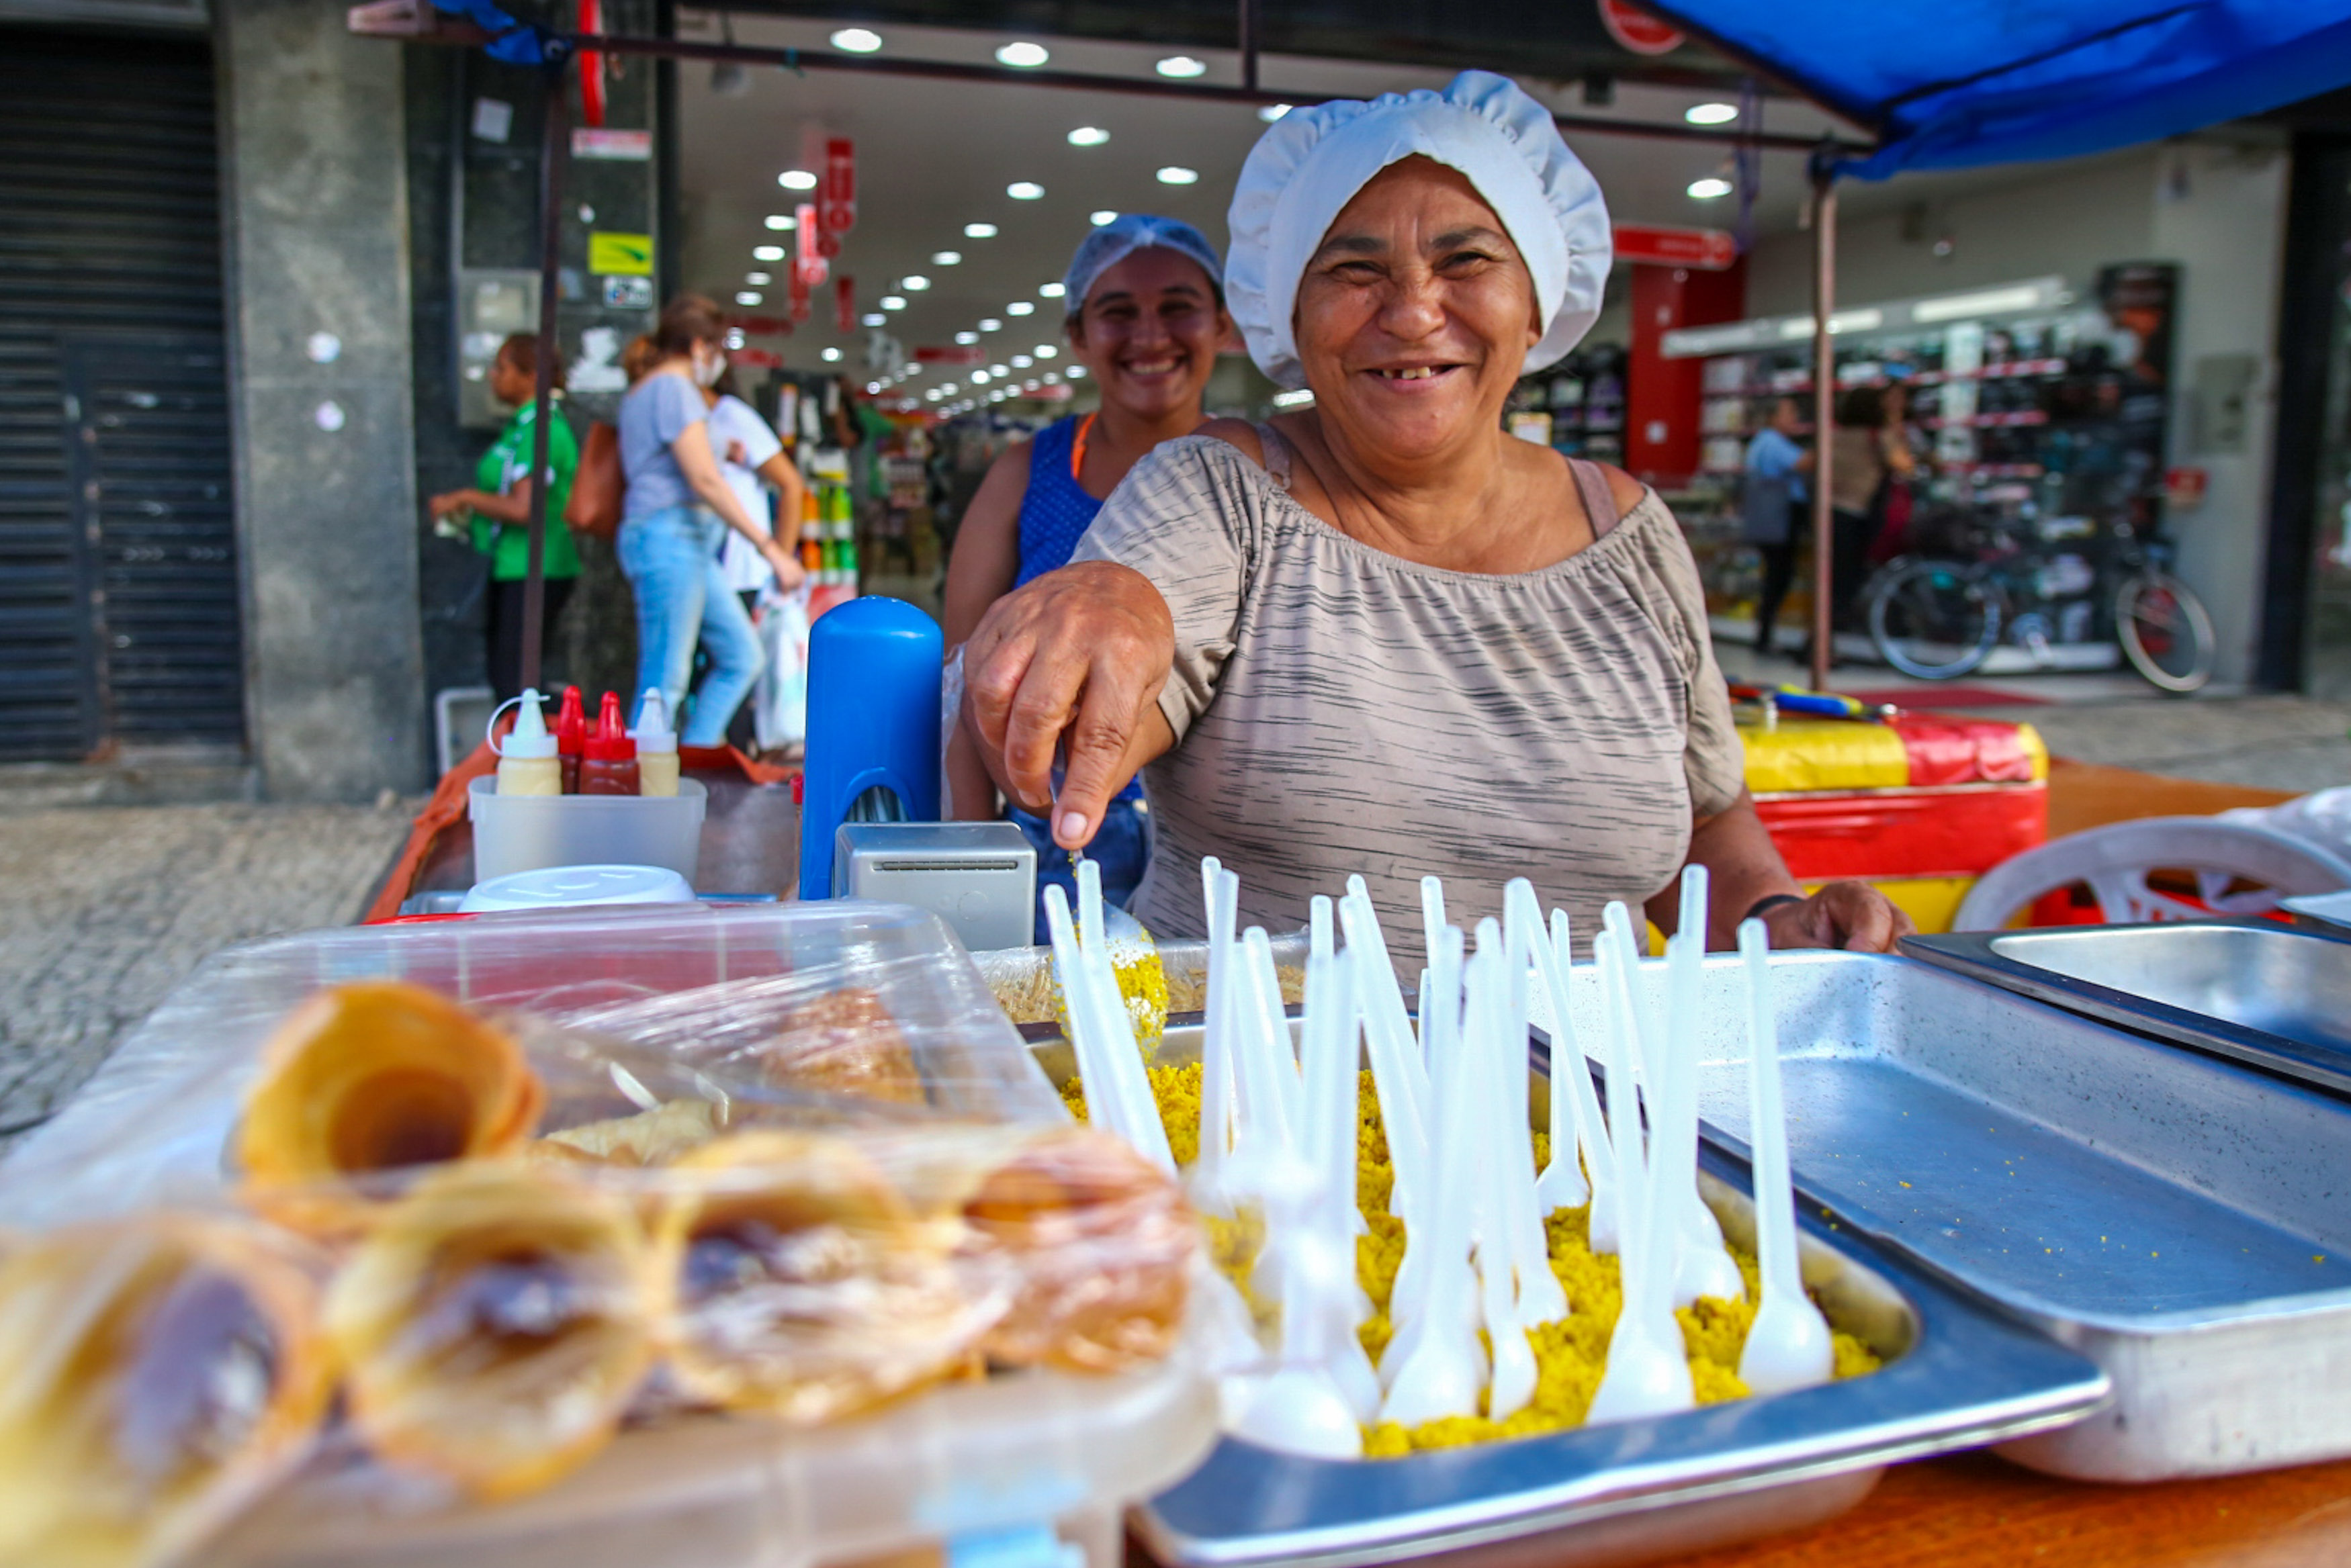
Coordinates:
1078 447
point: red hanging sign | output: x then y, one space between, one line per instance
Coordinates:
844 302
837 194
1638 31
1708 250
809 262
934 354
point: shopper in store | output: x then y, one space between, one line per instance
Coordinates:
1379 636
498 506
1146 316
677 510
1772 495
1867 454
751 457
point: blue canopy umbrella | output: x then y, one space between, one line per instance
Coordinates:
1960 83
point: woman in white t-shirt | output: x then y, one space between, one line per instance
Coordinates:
751 460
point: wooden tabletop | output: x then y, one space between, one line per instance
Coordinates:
1977 1512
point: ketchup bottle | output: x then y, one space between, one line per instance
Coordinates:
609 763
570 737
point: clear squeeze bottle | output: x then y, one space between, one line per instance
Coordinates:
570 737
656 747
526 760
609 763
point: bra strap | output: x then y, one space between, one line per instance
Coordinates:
1277 455
1599 496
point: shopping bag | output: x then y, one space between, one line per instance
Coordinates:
598 485
780 715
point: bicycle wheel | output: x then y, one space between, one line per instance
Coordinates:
1933 620
2165 631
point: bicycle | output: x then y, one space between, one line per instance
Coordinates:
1936 619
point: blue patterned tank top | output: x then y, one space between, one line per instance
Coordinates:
1054 515
1054 512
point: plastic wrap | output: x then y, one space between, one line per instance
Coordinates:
389 1202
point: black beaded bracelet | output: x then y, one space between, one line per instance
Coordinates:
1771 901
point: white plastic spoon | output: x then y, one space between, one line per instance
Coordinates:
1221 891
1788 1346
1540 1297
1502 1272
1702 1265
1108 1056
1647 1373
1398 1076
1562 1184
1697 1219
1442 1367
1331 1026
1410 1294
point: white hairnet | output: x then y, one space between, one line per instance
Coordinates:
1120 238
1312 162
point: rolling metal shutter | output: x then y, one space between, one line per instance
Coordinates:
119 617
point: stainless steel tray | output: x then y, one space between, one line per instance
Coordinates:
2183 1222
1957 1376
2277 996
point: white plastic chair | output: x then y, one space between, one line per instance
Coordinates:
2116 859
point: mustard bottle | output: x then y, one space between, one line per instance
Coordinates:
526 760
656 747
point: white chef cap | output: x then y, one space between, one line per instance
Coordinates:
1312 162
1119 238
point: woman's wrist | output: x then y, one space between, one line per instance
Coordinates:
1769 902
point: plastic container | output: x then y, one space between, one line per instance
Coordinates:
574 887
1031 1468
527 833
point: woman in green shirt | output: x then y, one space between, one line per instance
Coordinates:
499 506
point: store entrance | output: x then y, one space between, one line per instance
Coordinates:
2307 633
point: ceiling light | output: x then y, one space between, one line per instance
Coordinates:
999 371
913 283
892 302
758 279
748 296
873 318
979 378
1711 113
857 40
1176 174
1297 400
1023 56
916 368
1101 217
1089 136
967 338
990 324
766 252
1024 190
797 180
1030 385
932 396
1712 188
1182 67
1047 351
831 356
946 259
1020 307
1053 378
780 221
734 339
950 387
1075 372
1273 111
979 231
1021 361
1053 290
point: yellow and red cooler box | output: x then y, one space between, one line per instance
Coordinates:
1918 805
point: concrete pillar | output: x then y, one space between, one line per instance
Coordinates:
316 224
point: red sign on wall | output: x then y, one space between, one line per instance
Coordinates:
931 354
1637 30
844 302
808 266
837 195
1708 250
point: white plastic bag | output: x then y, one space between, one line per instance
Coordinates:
779 707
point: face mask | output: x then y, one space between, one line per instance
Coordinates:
707 372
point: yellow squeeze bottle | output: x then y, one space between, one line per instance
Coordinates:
526 760
656 748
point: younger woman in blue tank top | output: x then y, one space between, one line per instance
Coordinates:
1146 319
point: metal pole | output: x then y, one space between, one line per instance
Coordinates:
1249 45
1823 412
554 143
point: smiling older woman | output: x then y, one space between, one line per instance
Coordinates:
1379 636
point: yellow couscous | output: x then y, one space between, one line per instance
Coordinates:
1569 1354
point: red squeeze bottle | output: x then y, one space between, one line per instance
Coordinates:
570 737
609 764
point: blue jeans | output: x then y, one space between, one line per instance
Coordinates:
1121 847
671 559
